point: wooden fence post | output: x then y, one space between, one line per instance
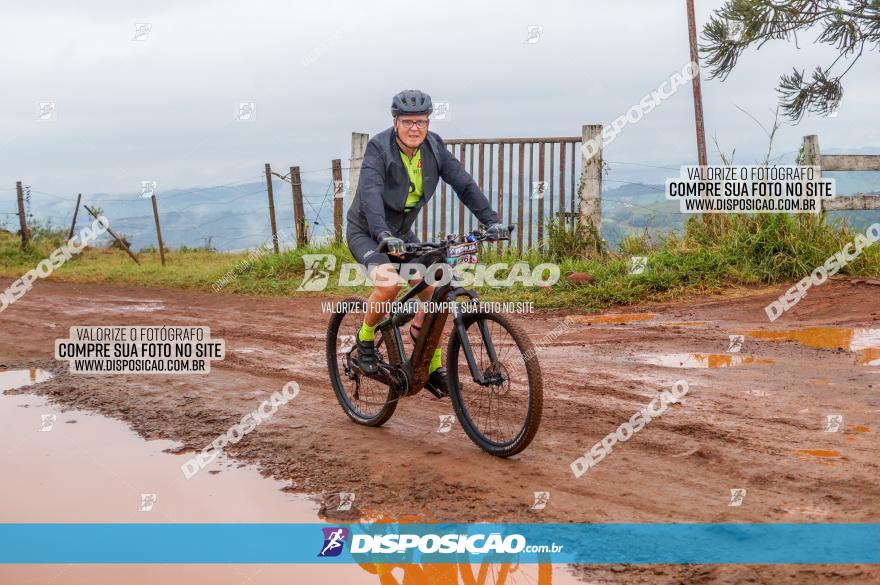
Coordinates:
299 214
812 157
338 195
500 209
590 188
115 237
75 213
271 207
158 229
359 142
22 219
519 210
543 192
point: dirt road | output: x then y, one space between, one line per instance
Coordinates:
757 419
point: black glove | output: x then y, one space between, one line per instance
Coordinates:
498 231
391 244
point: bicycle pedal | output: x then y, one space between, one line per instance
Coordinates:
437 394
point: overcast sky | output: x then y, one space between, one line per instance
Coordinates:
164 108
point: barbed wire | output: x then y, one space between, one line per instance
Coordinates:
318 212
175 195
316 202
52 195
620 162
252 193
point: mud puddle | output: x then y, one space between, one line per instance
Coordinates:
864 342
620 319
73 466
21 378
702 360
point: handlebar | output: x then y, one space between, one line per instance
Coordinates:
452 239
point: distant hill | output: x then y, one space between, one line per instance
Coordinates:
236 217
631 208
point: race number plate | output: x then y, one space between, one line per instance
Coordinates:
462 249
463 253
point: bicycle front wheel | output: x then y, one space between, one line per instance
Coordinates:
502 415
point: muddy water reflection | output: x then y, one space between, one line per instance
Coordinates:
702 360
862 341
73 466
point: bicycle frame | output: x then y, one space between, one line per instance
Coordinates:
415 368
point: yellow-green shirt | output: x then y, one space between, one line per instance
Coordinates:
414 169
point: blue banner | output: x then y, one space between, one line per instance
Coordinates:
441 543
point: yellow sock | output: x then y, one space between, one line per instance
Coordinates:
367 332
436 361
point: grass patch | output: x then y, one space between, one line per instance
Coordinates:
733 250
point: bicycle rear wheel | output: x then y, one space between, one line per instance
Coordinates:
501 417
366 401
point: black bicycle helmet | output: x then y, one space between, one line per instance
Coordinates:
411 101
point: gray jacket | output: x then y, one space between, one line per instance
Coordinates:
384 185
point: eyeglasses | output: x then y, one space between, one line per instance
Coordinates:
420 124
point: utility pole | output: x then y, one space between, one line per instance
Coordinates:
698 92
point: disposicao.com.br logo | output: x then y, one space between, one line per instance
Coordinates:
429 543
334 541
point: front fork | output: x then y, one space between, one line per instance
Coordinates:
458 319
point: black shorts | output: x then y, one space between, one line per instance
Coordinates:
364 249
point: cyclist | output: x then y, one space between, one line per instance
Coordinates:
399 174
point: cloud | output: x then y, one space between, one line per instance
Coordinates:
164 108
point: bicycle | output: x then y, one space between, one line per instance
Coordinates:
477 350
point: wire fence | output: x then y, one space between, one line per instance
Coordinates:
235 215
